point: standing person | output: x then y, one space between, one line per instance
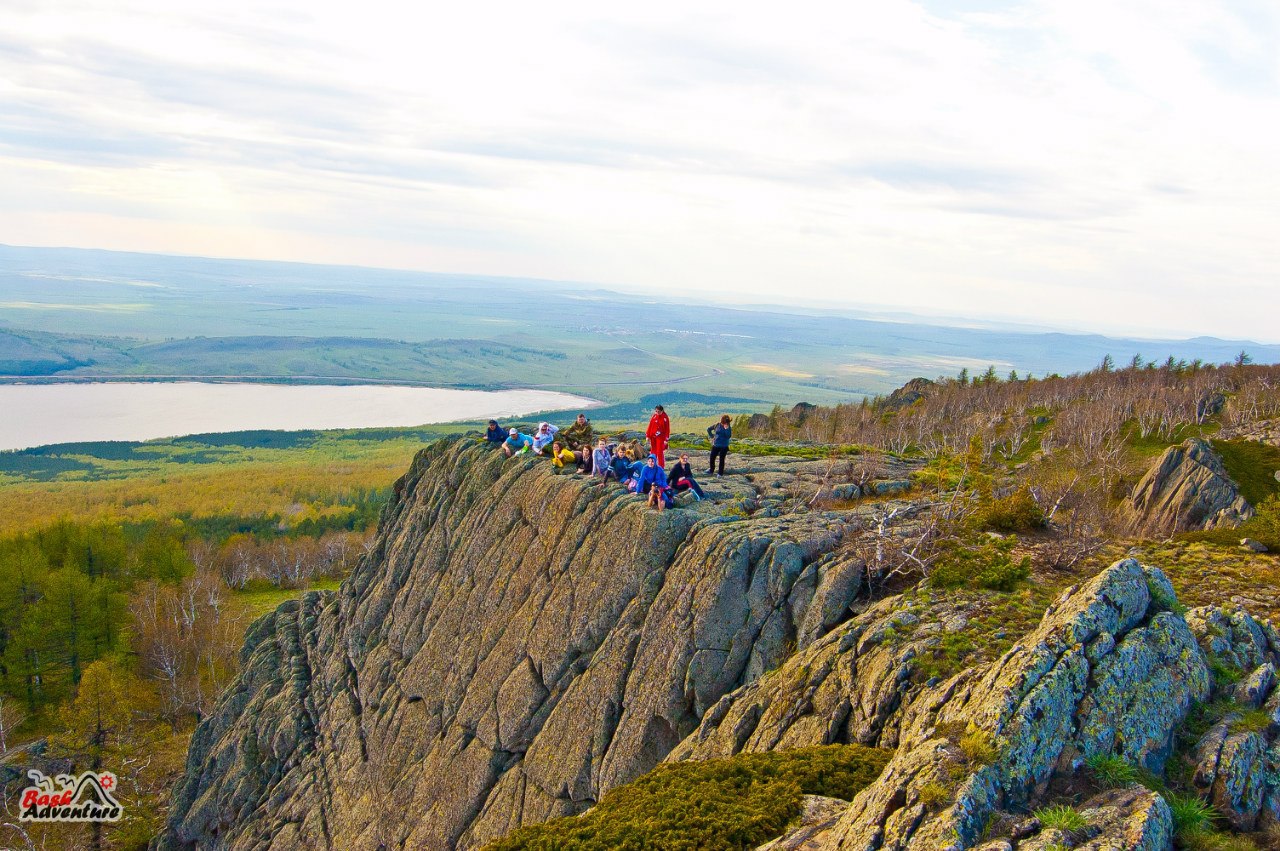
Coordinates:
720 433
543 437
516 443
494 435
681 477
659 433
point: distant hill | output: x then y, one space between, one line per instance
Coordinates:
78 313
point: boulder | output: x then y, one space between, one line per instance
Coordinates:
1187 488
1255 546
909 393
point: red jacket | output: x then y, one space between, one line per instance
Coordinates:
659 428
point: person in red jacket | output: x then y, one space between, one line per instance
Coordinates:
659 433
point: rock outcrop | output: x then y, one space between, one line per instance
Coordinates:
1186 488
516 643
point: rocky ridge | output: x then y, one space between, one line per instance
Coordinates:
519 642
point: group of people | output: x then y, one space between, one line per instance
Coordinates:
642 470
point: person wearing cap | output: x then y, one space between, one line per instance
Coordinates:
516 443
543 437
494 435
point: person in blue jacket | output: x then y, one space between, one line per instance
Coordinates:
653 481
494 435
516 443
720 434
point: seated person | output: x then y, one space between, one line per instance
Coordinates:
681 477
543 437
621 467
602 462
580 433
586 462
494 435
653 481
561 455
516 443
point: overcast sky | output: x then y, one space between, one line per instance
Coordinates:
1100 164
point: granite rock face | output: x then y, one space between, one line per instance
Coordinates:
1187 488
519 642
1109 670
516 643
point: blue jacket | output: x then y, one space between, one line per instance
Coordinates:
654 475
495 435
720 435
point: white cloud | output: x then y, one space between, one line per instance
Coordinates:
1106 165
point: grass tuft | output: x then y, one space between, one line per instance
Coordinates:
979 746
1061 818
1111 770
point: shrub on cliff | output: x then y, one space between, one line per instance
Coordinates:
734 803
987 564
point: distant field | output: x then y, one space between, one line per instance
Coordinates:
86 314
258 482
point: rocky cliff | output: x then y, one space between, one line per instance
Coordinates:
516 642
519 642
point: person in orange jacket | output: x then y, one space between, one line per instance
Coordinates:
659 433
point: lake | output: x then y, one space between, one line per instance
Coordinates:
40 414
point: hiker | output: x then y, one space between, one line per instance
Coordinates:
586 458
681 477
494 435
543 437
561 455
659 432
622 467
580 433
653 482
720 433
601 461
516 443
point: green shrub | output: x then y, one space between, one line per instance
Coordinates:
1251 721
1111 770
986 564
1224 674
733 803
1017 512
1061 818
1204 839
1190 813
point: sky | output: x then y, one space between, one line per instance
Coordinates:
1097 164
